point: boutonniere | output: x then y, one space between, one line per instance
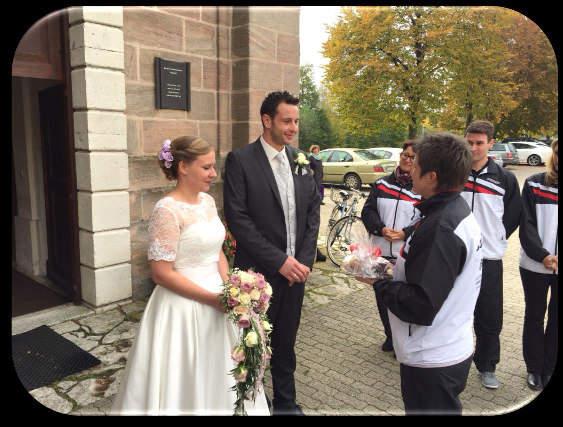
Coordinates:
302 164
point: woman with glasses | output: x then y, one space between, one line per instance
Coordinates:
539 271
387 214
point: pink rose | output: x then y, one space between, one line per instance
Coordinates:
231 302
244 321
264 298
240 374
261 283
247 287
235 280
238 354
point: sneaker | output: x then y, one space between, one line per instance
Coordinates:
489 380
387 345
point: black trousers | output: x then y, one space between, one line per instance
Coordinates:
540 348
284 314
434 391
383 314
488 317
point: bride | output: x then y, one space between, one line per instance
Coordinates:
180 361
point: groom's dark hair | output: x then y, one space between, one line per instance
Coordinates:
271 102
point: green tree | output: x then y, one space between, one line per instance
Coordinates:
534 68
314 126
390 68
386 66
479 78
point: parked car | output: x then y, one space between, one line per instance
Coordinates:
506 152
388 153
353 167
496 159
531 153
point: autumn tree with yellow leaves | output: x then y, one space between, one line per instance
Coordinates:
400 67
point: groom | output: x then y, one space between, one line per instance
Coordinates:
272 207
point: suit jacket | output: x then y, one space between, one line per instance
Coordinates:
254 213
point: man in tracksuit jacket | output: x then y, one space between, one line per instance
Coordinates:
436 282
493 195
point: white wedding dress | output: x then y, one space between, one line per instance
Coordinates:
180 361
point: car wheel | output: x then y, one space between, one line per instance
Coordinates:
534 160
353 181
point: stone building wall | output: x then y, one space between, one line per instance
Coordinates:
237 56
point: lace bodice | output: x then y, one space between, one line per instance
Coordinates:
188 235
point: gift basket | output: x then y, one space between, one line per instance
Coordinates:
364 259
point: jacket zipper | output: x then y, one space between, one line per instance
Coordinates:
474 184
395 217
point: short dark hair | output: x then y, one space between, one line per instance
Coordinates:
409 143
481 126
271 102
446 154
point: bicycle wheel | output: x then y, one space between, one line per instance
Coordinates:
340 236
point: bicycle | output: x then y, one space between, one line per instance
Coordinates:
341 207
342 230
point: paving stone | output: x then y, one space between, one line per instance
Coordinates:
63 328
101 324
124 331
49 398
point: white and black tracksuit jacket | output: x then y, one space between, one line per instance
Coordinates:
539 226
390 205
494 198
436 282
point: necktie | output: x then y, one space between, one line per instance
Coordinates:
283 175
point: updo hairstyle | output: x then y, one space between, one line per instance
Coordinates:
186 148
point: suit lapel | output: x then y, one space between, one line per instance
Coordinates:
266 168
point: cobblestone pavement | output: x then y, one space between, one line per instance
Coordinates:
340 366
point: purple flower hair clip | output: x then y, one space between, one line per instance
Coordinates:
165 153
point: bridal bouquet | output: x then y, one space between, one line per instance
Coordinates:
246 297
365 260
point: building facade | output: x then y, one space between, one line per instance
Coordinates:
86 131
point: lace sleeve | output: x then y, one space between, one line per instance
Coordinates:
164 233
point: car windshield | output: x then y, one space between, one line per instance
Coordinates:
367 155
498 147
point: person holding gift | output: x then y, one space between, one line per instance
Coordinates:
436 282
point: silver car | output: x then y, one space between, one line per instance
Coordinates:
506 152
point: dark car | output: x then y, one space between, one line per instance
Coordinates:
506 152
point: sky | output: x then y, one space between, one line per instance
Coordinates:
312 34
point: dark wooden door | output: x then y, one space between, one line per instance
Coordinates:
60 189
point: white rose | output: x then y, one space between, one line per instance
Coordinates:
251 339
255 295
268 289
244 299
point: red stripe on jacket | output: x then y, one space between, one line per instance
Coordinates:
394 193
540 193
479 188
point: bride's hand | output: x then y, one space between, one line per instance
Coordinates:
216 303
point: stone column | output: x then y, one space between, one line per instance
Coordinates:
102 168
265 58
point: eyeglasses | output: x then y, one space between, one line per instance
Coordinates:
405 156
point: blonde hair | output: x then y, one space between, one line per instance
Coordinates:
186 148
551 174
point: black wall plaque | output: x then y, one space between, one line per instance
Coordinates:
172 84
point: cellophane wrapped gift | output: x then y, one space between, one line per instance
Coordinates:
365 260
